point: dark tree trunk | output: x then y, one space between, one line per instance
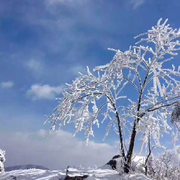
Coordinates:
128 157
125 166
131 146
133 134
120 136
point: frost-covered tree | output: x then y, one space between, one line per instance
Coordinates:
164 167
2 160
175 116
102 95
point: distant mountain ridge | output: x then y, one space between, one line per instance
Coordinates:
28 166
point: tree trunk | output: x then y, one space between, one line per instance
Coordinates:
125 166
136 121
120 136
133 134
131 146
149 154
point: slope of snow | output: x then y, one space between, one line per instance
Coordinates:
94 174
28 166
31 174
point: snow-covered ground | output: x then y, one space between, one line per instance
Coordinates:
94 174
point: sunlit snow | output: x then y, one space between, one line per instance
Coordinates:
94 174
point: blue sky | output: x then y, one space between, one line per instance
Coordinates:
45 43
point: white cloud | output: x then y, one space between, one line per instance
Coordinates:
34 65
56 151
137 3
38 91
7 84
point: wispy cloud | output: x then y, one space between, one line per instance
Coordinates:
7 84
55 2
137 3
38 91
56 151
76 69
61 34
34 65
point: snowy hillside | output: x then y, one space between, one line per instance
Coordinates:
28 166
94 174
